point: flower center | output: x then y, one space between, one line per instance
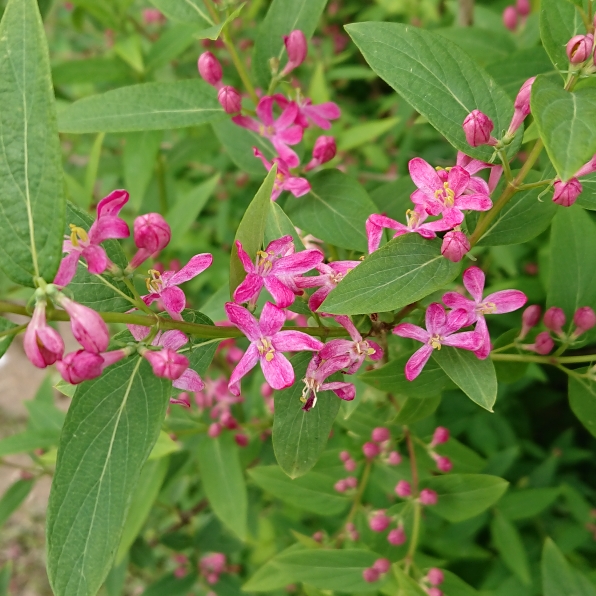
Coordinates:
435 341
487 308
77 235
309 393
266 131
363 347
412 217
264 261
446 195
154 281
266 349
335 278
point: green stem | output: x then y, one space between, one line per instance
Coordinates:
239 67
417 507
357 500
139 303
506 166
415 534
118 291
13 330
554 360
535 184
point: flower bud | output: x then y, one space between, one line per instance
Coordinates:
379 522
428 497
380 434
370 450
478 128
554 319
510 18
382 565
318 536
566 193
455 246
87 326
543 344
151 232
166 363
324 150
530 319
80 366
210 69
579 48
344 455
350 465
340 486
370 575
351 482
403 489
214 430
435 576
434 592
152 15
183 399
523 7
521 107
441 435
444 464
227 420
241 440
584 319
394 458
43 345
297 48
229 99
397 536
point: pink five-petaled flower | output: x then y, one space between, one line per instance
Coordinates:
43 345
274 268
496 303
440 331
284 180
281 131
415 218
445 193
330 275
267 342
164 285
87 244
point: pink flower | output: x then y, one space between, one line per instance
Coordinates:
440 331
267 342
495 303
444 464
397 536
566 193
152 233
477 185
314 380
274 269
510 18
428 497
380 434
441 435
230 100
521 107
164 286
478 128
183 399
394 458
543 344
281 131
210 69
370 575
415 218
43 345
435 576
554 319
80 366
523 7
584 319
370 450
455 245
579 48
379 522
152 15
87 245
403 489
323 151
166 363
444 192
297 48
87 326
382 565
434 591
284 180
330 275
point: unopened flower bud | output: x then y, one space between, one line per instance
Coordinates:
444 464
350 465
214 430
344 455
441 435
510 18
210 69
428 497
166 363
297 48
227 420
370 575
151 232
523 7
455 246
566 193
152 15
521 106
229 99
324 150
380 434
403 489
87 326
579 48
340 486
43 345
478 128
394 458
80 366
351 482
370 450
584 319
530 318
543 344
554 319
435 576
241 440
434 592
318 536
397 536
382 565
379 522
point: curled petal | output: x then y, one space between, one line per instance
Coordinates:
477 186
278 371
458 180
196 265
67 269
282 295
107 227
249 288
112 204
507 300
295 341
272 319
246 364
412 332
468 340
313 281
189 380
484 350
173 339
435 318
474 280
97 259
281 247
246 261
291 136
318 297
417 361
240 317
345 391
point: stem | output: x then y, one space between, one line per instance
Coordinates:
465 13
357 500
417 508
554 360
138 300
239 66
415 534
413 466
506 166
13 330
118 291
535 184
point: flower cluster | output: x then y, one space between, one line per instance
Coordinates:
516 15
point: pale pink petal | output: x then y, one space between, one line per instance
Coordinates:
298 263
189 380
431 205
345 391
265 161
249 288
411 331
67 269
458 180
97 259
424 176
246 261
247 122
297 186
295 341
456 300
311 282
174 301
342 266
112 204
272 319
507 300
474 202
244 366
474 280
472 166
287 118
484 350
196 265
435 318
108 227
173 339
455 320
322 113
494 177
318 297
240 317
278 371
139 332
477 186
417 361
282 295
468 340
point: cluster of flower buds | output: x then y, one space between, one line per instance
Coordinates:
515 15
346 484
566 193
212 566
435 577
381 446
403 489
211 72
379 568
440 436
379 521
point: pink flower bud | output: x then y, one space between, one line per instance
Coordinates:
241 440
510 18
579 48
152 15
151 232
455 246
350 465
554 319
166 363
80 366
370 575
478 128
428 497
214 430
380 434
530 319
584 319
351 482
340 486
87 326
397 536
227 420
370 450
403 489
318 536
444 464
297 48
434 592
521 106
523 7
435 576
382 565
230 99
43 345
210 69
566 193
379 522
543 344
344 455
394 458
441 435
324 150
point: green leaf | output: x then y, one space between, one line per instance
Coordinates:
391 377
223 481
587 199
462 496
356 136
214 31
28 440
558 577
148 106
110 429
5 340
138 161
278 225
145 493
31 185
335 210
475 377
251 230
571 145
509 545
559 22
171 585
582 400
527 503
313 492
5 579
417 408
436 77
300 437
171 43
405 270
91 71
282 18
13 497
572 281
408 586
163 447
185 11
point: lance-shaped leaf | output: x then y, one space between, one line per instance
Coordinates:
185 11
109 432
582 399
31 186
558 577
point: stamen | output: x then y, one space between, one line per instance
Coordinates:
154 282
487 308
435 342
76 234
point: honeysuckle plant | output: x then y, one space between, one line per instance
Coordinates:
392 221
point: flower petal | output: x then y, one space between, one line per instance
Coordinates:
287 155
287 117
456 300
477 186
282 295
196 265
278 371
247 122
458 180
97 259
245 259
189 380
298 263
112 204
249 288
265 110
474 280
455 320
411 331
336 348
240 317
297 186
345 391
424 176
67 269
318 297
435 318
417 361
322 113
281 247
474 202
172 339
467 340
295 341
174 301
244 366
507 300
272 319
378 350
107 227
483 352
290 136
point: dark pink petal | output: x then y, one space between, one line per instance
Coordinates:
318 297
272 319
281 247
189 380
247 122
240 317
245 259
265 110
426 234
322 113
333 365
278 371
249 288
472 166
455 320
291 136
347 324
507 300
450 219
474 280
474 202
314 281
112 204
458 180
287 118
67 269
424 176
108 227
297 186
335 348
258 154
174 301
286 154
298 263
172 339
484 350
149 299
282 295
411 331
295 341
468 340
417 361
374 229
97 259
343 266
435 318
196 265
244 366
377 348
456 300
345 391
